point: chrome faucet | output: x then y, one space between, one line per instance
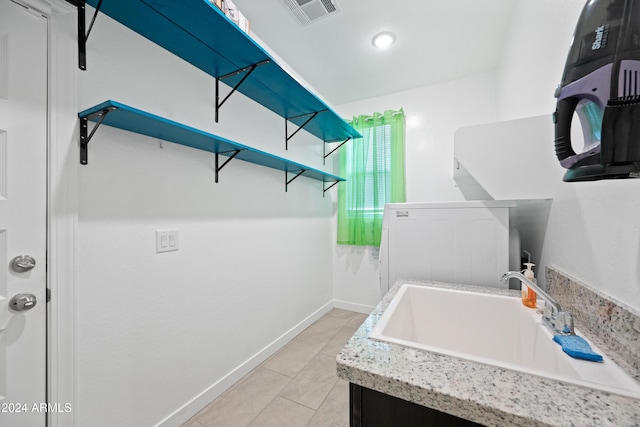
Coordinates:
553 317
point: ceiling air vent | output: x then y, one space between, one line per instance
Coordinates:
308 11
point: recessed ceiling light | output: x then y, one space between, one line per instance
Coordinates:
384 40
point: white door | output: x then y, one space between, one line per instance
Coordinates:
23 201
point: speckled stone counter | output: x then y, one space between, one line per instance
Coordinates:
473 391
605 321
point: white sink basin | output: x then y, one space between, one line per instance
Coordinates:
491 329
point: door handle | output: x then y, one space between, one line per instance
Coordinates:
22 302
22 263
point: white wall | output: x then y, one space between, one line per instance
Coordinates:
593 230
534 56
156 330
433 113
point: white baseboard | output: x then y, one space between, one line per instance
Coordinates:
192 407
358 308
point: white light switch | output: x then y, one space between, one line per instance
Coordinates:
166 240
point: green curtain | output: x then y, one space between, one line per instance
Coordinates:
374 169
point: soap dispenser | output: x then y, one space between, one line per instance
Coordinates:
528 294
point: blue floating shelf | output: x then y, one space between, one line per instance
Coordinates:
199 33
131 119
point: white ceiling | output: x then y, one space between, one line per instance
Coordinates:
436 41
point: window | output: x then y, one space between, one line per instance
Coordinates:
369 169
374 169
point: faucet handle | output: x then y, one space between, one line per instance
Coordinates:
564 323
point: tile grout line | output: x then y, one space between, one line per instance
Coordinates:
319 352
298 403
262 365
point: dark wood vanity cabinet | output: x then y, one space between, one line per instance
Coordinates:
370 408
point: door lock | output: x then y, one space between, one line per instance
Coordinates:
22 263
22 302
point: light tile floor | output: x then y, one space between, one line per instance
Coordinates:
297 386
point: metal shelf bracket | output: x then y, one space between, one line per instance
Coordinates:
83 35
325 189
324 149
219 168
247 72
288 181
286 126
84 137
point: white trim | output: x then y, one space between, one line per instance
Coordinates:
40 6
351 306
62 211
192 407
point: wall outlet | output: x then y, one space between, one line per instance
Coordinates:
166 240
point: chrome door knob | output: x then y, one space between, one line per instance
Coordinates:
22 302
22 263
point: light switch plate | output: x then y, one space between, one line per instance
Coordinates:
166 240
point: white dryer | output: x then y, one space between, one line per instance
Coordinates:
458 242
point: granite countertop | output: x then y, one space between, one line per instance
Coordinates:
481 393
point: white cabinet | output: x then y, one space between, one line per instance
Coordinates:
457 242
509 160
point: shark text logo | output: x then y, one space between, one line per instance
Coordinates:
601 37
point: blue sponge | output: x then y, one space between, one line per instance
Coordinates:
577 347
